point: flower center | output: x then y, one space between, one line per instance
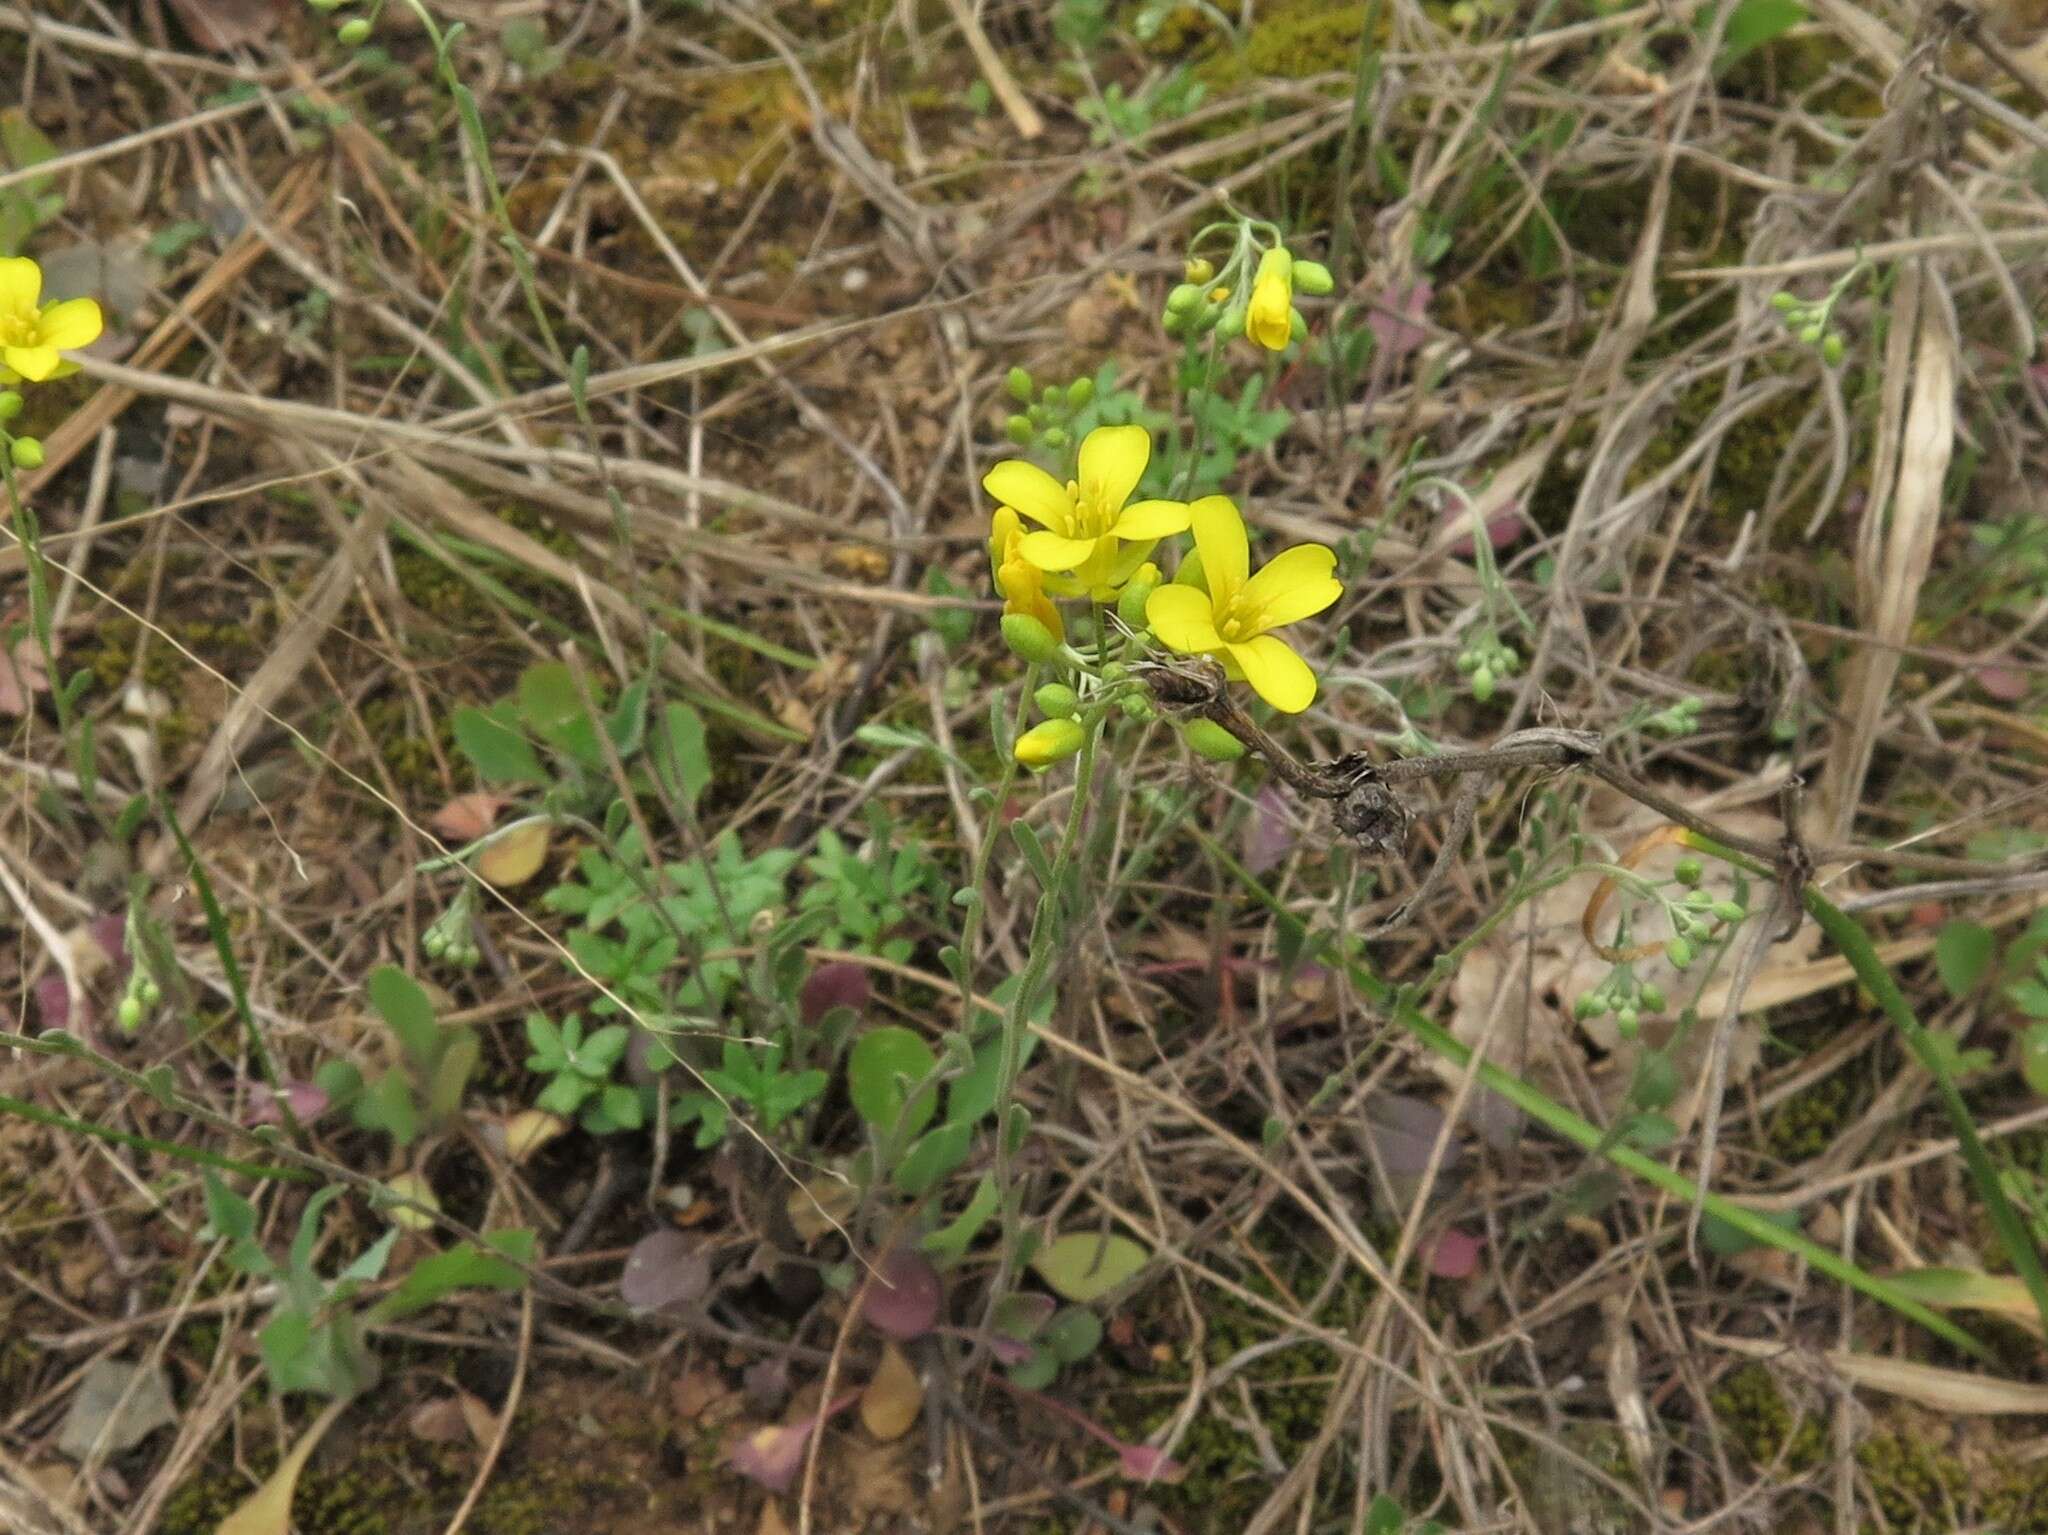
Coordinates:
20 328
1235 627
1093 517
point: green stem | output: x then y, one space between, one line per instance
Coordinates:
34 1115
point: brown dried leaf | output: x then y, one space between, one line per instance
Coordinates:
821 1205
894 1397
219 25
467 816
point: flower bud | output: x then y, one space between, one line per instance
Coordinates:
1020 430
1783 302
1183 298
1810 334
1313 278
1297 326
1688 871
1055 437
1080 392
10 404
354 32
1628 1021
1018 382
1137 708
1833 348
1198 270
129 1014
1057 701
1730 911
1130 603
1231 326
1482 683
1208 739
1654 998
1054 741
26 452
1029 639
1679 952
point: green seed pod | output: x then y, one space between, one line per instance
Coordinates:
1054 741
353 33
1688 871
1482 683
1679 952
26 452
10 404
1183 298
1313 278
1208 739
1783 302
1199 270
1833 348
1028 639
1018 382
1057 701
1020 430
1080 392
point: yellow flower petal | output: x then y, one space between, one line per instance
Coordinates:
1055 551
1005 531
1126 563
1183 620
1269 320
1033 492
73 323
21 284
1220 540
1113 460
1293 584
1152 519
1276 673
34 363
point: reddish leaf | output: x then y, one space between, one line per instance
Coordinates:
1455 1255
21 676
2007 684
839 984
467 816
666 1271
1503 529
308 1103
1393 320
772 1456
1269 834
902 1297
1143 1463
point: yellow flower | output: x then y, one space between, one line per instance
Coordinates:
31 337
1087 538
1229 615
1270 319
1021 583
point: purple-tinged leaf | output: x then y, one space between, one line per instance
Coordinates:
1455 1255
766 1383
53 1007
1021 1316
1393 320
839 984
902 1297
308 1103
1144 1463
666 1271
1404 1131
1503 529
2007 684
772 1456
1269 834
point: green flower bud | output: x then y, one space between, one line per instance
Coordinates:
1208 739
150 992
434 943
1810 334
1507 660
1136 707
1231 325
1198 270
1054 741
26 452
1115 671
1055 437
1175 325
129 1014
1654 999
1783 302
1833 348
1028 639
1629 1021
10 404
325 5
1468 661
1297 327
1313 278
1482 683
1183 298
353 33
1591 1005
1020 430
1730 911
1057 701
1688 871
1018 382
1130 602
1679 952
1080 392
1052 395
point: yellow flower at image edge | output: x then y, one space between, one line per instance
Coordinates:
1020 583
30 337
1230 616
1088 540
1270 319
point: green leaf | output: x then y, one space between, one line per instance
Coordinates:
1385 1517
1073 1334
370 1266
1725 1240
229 1214
952 1240
932 1157
1753 24
1962 954
498 752
880 1064
1085 1266
408 1010
2030 997
462 1267
679 754
459 1054
953 625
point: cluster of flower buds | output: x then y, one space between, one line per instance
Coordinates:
452 937
1813 320
1626 996
1681 719
141 996
1245 298
1047 419
1486 660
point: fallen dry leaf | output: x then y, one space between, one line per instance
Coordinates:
894 1398
517 856
529 1130
219 25
695 1390
468 816
21 677
268 1510
821 1205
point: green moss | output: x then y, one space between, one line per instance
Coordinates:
1754 1413
1915 1487
1291 41
1806 1125
407 755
